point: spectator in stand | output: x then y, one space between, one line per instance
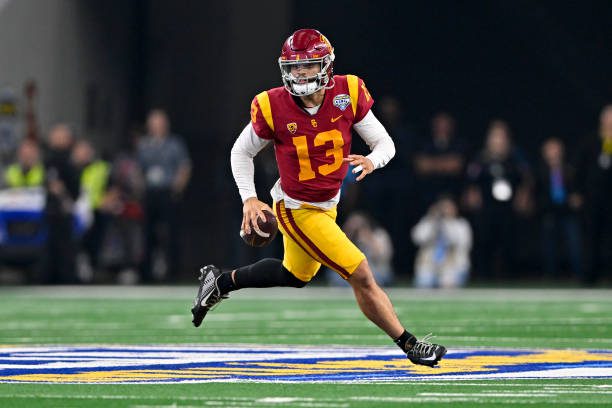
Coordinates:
63 189
439 163
497 181
28 171
595 173
559 204
444 240
94 178
126 230
166 167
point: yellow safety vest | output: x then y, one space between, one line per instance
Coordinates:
94 180
15 177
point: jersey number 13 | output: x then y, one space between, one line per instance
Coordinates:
301 146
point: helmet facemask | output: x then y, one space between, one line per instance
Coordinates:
302 86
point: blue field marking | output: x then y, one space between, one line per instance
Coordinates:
172 364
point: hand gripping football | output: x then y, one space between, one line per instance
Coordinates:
268 229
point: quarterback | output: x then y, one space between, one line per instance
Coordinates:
309 120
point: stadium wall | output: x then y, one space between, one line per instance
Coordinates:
79 61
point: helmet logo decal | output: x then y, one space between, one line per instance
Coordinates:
342 101
292 127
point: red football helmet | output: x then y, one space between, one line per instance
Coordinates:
306 47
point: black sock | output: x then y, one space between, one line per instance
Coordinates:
226 283
266 273
405 341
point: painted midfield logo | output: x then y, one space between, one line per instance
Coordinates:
171 364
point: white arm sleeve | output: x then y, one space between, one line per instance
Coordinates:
376 137
245 148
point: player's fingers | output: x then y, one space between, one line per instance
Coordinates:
362 175
251 219
251 222
357 169
255 224
267 207
260 214
245 224
352 158
254 215
365 168
249 226
355 163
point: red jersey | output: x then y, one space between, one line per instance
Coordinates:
310 148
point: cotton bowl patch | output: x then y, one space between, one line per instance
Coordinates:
172 364
342 101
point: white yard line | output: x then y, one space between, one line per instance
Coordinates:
314 402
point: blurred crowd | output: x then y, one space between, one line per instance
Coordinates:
487 211
69 214
447 210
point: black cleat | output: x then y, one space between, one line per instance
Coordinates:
425 353
208 295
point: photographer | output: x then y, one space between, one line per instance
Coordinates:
444 240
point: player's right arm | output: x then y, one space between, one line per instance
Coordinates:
251 140
244 150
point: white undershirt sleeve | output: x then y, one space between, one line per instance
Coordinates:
244 150
376 137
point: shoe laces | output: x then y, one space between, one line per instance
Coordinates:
216 297
423 348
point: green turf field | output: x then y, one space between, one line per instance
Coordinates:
493 319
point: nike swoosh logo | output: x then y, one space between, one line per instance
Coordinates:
335 119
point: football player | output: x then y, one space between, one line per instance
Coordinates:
309 119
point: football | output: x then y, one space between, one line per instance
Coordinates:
268 228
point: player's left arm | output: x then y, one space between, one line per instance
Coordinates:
380 143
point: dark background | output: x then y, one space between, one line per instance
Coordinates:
544 66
